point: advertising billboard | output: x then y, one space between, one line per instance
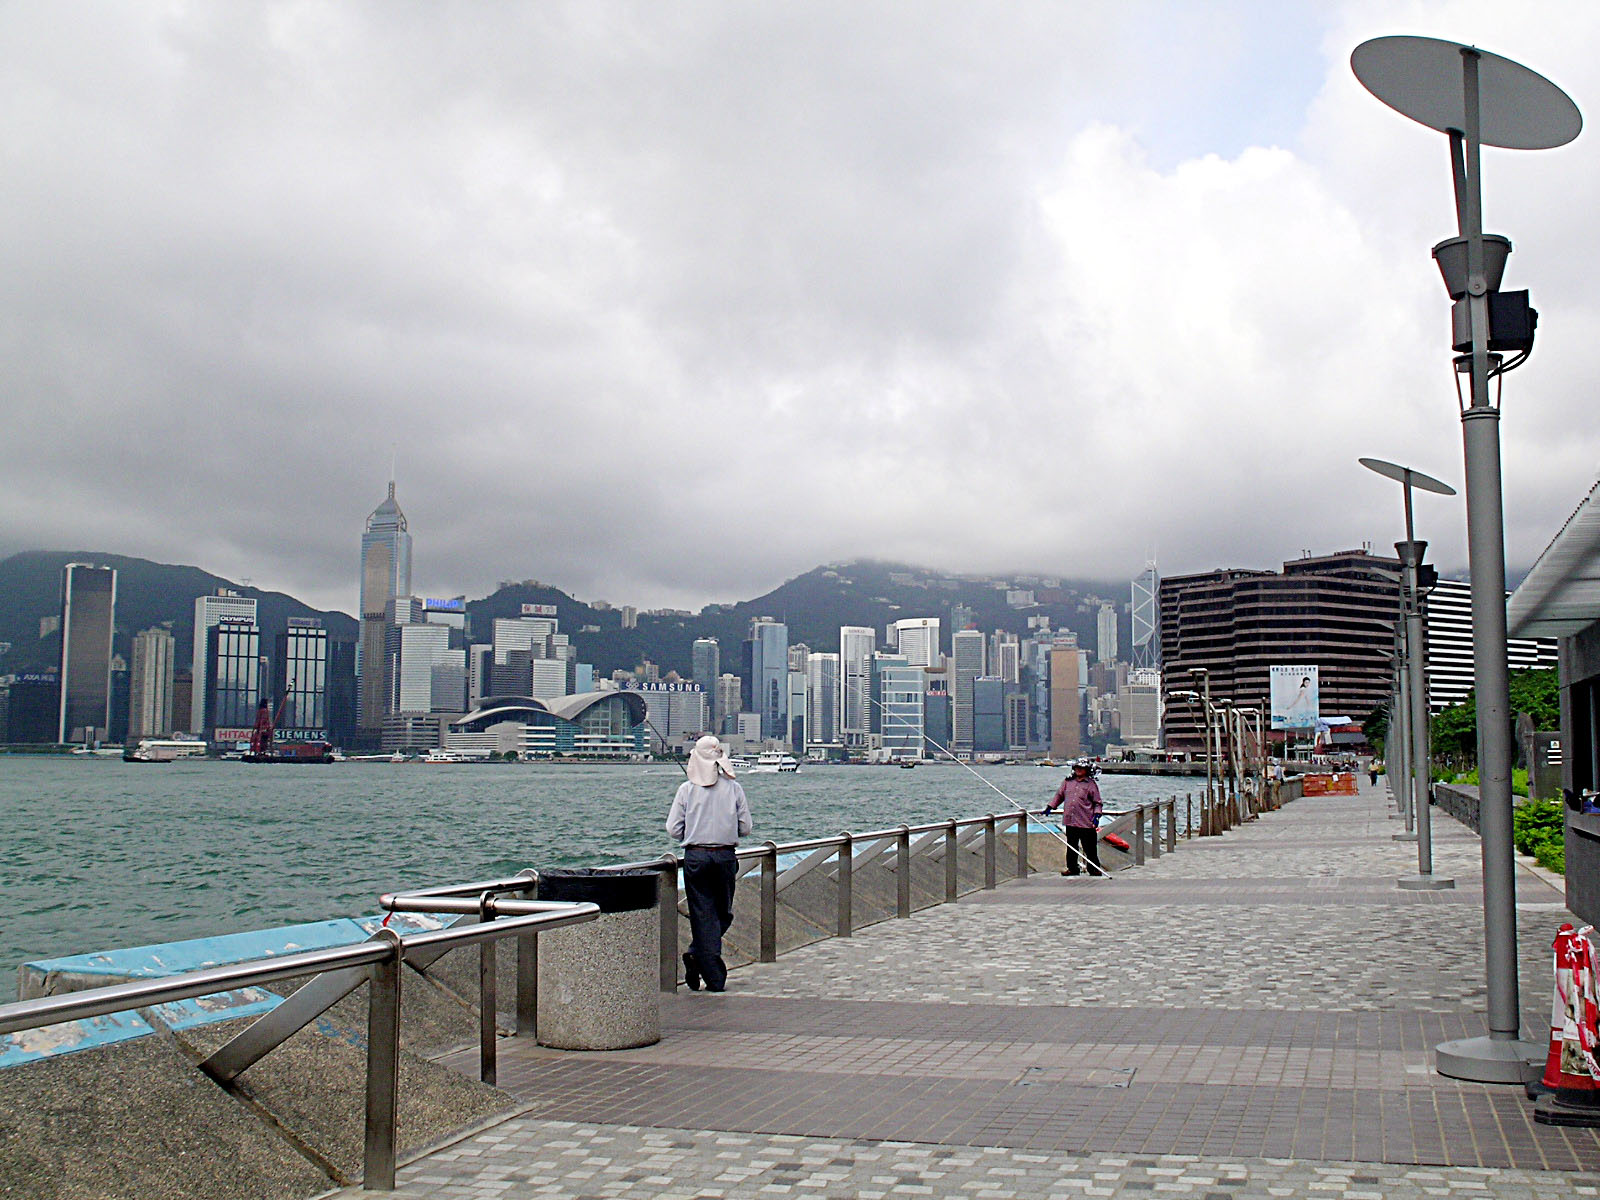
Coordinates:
538 610
1293 696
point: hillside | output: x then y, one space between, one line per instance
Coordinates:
814 605
148 593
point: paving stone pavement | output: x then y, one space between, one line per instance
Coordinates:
1251 1015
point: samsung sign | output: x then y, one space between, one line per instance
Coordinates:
632 685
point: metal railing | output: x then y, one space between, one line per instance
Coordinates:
337 971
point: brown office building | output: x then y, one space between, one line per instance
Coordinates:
1337 611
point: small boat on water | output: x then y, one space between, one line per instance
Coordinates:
771 762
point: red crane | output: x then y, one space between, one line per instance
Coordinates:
261 735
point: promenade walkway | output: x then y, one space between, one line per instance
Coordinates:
1250 1016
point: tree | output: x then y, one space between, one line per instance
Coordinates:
1455 730
1376 728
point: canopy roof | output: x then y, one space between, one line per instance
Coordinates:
1561 595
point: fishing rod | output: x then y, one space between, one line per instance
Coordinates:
1016 805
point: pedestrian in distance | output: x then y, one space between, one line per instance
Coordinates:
1372 773
708 817
1078 798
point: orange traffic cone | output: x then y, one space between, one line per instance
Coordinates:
1570 1091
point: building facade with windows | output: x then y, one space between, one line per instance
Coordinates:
88 621
150 683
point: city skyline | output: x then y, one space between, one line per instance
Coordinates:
587 287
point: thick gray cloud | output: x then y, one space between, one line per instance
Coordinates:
666 303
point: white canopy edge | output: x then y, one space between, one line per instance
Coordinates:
1561 595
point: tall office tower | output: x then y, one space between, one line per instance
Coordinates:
898 688
480 667
1147 617
300 689
1017 722
966 663
988 715
1139 705
208 610
232 661
150 688
385 574
523 633
705 658
766 660
419 646
961 617
88 616
1105 624
1066 702
822 699
798 654
918 639
1449 645
450 682
1005 657
343 714
856 643
797 712
728 699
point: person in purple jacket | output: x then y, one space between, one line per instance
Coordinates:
1078 797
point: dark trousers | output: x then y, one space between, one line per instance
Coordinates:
1087 843
708 879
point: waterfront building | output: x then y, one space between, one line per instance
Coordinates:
989 715
797 710
150 685
673 711
1106 632
705 658
1017 721
480 664
1005 656
856 645
232 680
208 610
766 662
385 574
88 621
1068 668
340 704
531 634
33 708
822 699
728 701
183 698
1449 646
1139 708
936 723
300 688
1146 619
1336 611
588 725
747 727
918 639
897 686
967 664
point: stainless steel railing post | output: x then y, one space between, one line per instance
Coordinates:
952 865
1155 830
1172 823
989 853
1188 815
1022 844
1138 836
488 998
528 970
667 903
383 1068
847 862
769 902
902 872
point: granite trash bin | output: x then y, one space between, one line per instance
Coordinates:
598 982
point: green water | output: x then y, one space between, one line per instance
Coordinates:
97 853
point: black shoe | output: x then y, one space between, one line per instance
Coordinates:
691 973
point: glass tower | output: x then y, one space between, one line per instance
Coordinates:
385 574
88 614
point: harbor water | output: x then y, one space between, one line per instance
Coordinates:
98 853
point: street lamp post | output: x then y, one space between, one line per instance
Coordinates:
1413 602
1479 99
1205 697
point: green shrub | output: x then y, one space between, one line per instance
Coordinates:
1552 855
1536 821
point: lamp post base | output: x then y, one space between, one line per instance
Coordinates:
1423 883
1489 1060
1402 837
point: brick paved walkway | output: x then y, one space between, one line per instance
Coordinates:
1252 1015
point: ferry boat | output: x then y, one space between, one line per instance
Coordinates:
148 750
771 762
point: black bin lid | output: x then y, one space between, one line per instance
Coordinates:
614 891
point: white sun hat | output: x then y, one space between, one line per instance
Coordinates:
708 757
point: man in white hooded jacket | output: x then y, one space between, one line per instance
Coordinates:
709 815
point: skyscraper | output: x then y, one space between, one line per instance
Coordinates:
232 663
150 688
822 699
1106 628
918 639
88 616
856 643
300 693
766 654
705 657
1066 700
385 574
726 714
208 610
966 662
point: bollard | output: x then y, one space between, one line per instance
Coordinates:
952 879
1155 830
1138 836
487 999
1022 844
667 903
1188 815
902 872
989 848
528 966
847 862
1172 823
769 901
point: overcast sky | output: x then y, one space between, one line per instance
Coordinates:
667 303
